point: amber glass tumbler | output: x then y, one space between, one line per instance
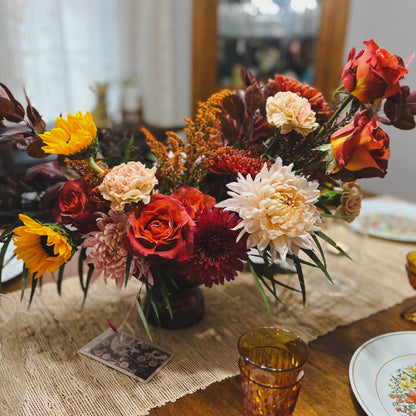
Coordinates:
271 365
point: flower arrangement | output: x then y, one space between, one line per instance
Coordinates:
258 170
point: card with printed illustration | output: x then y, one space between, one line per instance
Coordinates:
130 355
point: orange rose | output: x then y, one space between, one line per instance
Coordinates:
161 229
373 75
361 149
193 199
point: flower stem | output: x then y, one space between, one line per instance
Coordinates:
346 101
93 165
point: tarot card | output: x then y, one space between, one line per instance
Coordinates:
130 355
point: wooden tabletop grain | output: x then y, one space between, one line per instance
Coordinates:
325 390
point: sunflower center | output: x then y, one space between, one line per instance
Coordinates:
49 250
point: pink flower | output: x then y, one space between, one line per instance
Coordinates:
107 253
128 183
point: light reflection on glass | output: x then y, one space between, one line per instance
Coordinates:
300 6
266 6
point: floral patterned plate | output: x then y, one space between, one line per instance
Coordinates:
383 374
393 220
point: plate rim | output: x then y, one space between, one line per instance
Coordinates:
353 360
373 203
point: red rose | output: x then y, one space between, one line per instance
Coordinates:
193 199
161 229
361 148
74 204
373 75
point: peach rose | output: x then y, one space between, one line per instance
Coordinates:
128 183
288 111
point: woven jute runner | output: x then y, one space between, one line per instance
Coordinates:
60 381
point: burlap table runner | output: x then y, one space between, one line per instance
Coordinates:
60 381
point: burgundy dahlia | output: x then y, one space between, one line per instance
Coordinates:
217 255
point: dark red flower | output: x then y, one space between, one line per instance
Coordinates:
234 161
400 109
217 256
75 205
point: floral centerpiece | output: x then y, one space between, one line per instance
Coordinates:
258 170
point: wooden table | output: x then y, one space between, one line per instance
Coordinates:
325 391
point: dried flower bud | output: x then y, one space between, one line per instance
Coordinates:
350 201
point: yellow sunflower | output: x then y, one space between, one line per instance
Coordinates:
42 249
75 137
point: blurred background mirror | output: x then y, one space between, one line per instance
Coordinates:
267 37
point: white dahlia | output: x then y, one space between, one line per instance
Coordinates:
277 207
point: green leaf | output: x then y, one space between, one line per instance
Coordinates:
164 292
143 319
154 307
87 282
127 153
81 258
321 251
24 282
318 263
128 264
2 255
263 294
299 270
330 241
60 277
33 288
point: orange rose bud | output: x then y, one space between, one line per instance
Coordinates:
193 199
373 74
361 148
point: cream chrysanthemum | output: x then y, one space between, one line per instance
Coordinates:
288 111
277 207
128 183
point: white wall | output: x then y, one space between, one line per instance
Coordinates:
392 26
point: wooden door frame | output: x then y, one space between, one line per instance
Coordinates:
334 20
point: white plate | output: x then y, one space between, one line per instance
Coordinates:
392 220
383 374
11 266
